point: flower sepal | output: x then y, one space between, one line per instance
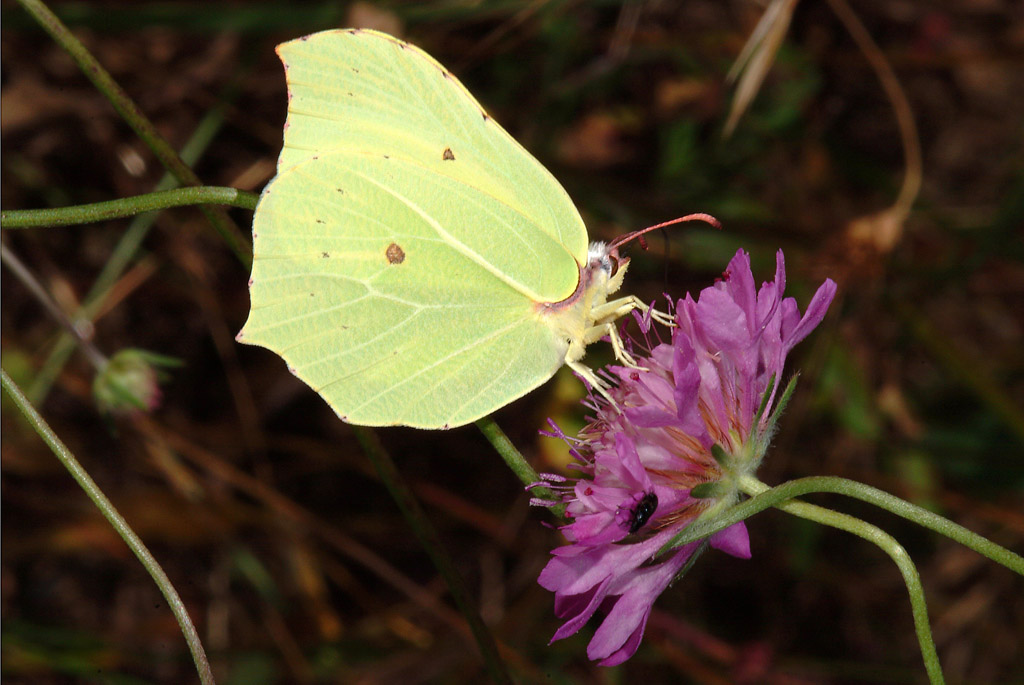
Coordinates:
722 457
780 406
711 490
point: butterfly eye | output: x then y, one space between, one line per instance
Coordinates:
613 265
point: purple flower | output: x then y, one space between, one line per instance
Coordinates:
699 414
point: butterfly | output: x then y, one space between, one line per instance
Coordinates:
412 262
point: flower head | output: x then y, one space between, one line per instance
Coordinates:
130 382
683 429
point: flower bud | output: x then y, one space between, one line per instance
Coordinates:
129 382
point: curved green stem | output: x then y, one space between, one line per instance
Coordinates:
117 521
850 488
431 542
780 496
135 118
124 252
128 206
515 461
888 544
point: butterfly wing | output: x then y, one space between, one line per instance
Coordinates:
402 249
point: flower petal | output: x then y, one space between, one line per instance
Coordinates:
628 616
628 647
722 320
580 609
733 540
739 284
812 317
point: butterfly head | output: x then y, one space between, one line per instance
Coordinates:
605 264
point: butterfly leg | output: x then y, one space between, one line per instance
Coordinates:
576 352
663 318
607 314
618 308
592 379
604 318
595 333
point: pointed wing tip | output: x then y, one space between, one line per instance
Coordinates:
247 336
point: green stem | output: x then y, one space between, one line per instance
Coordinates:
515 461
127 246
117 521
888 544
842 486
135 118
780 496
128 206
431 542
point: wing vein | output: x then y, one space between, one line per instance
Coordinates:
425 369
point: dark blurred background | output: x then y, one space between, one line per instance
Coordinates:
289 553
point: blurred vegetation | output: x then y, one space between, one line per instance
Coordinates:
291 557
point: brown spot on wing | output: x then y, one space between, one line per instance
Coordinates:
395 254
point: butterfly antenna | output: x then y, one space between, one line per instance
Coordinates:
637 235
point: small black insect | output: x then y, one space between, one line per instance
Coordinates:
645 508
